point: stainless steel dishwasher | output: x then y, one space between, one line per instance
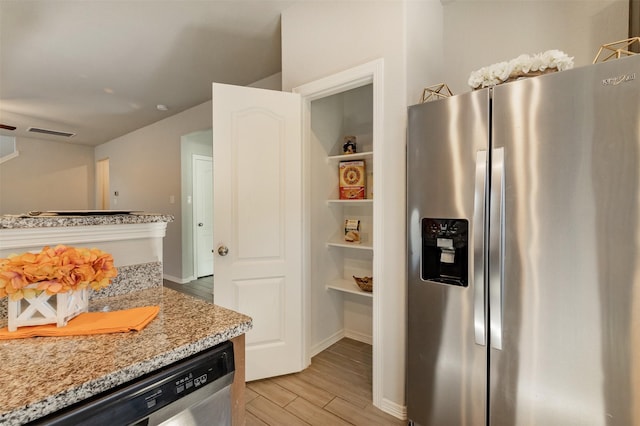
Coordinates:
193 391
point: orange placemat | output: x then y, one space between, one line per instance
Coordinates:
88 323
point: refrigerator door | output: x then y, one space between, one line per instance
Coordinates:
447 143
567 289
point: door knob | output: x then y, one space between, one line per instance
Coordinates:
223 250
200 224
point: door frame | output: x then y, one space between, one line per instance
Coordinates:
103 194
194 222
368 73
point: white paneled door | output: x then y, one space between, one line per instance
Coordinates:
258 221
203 214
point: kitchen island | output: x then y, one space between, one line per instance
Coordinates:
134 240
45 374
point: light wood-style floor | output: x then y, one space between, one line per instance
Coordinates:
334 390
201 288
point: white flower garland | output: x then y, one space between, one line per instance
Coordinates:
520 66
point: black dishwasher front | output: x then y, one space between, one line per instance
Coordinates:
190 392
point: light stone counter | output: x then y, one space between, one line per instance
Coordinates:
54 221
45 374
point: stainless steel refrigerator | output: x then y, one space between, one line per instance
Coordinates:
524 252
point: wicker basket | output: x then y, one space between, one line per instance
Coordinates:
365 283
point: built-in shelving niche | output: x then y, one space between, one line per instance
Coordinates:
337 302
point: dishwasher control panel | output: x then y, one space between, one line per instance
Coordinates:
192 379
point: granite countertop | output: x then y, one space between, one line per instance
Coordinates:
80 218
45 374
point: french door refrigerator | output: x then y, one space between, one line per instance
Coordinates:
524 252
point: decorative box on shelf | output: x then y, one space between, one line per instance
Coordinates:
52 286
47 309
352 180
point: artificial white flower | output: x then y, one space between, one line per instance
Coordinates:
521 64
502 70
537 63
475 79
519 67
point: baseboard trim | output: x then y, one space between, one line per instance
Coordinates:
177 280
394 409
321 346
360 337
336 337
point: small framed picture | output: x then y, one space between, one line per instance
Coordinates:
349 146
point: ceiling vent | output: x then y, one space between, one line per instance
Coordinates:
50 132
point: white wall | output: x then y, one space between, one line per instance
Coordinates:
144 167
482 32
47 175
273 82
320 38
425 50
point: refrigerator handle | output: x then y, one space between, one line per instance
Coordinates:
479 303
496 247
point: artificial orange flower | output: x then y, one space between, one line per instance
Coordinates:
55 270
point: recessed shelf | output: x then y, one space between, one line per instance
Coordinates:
348 157
348 286
365 201
357 246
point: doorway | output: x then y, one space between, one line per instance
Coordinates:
196 145
348 103
202 215
102 185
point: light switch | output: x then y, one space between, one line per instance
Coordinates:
172 199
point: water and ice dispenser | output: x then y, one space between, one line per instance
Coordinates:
445 251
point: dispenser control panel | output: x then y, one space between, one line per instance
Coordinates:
445 251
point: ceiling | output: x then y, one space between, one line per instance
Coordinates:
99 68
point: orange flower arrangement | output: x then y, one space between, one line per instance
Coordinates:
55 270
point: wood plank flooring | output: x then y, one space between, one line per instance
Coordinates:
334 390
201 288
